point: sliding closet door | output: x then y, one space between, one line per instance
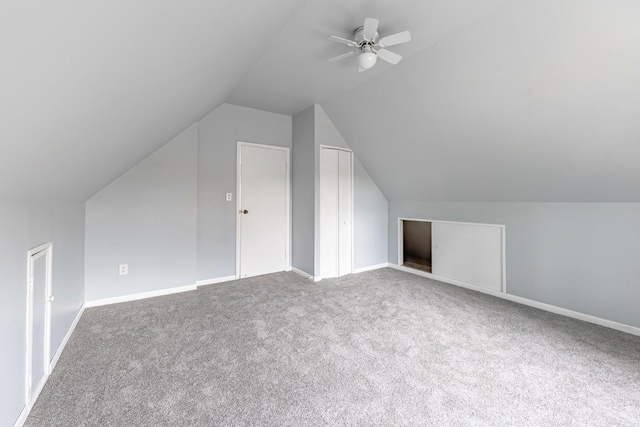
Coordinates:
335 212
469 253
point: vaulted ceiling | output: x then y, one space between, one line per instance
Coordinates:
495 100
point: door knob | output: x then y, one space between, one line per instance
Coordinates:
244 211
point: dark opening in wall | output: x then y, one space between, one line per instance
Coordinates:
416 244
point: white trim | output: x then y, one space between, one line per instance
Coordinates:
36 392
215 281
142 295
302 273
370 267
239 199
450 222
22 417
531 303
332 147
503 232
63 344
46 250
306 275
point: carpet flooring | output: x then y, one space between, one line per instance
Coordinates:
383 347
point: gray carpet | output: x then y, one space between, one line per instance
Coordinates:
379 348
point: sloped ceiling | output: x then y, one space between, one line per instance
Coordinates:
495 100
294 71
539 101
88 89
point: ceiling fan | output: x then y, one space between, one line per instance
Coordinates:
369 46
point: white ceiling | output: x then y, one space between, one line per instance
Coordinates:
537 102
294 72
90 88
495 100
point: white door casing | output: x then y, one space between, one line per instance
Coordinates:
38 334
263 210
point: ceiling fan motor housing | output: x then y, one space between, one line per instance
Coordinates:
358 37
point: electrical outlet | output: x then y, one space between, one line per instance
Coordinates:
229 197
124 269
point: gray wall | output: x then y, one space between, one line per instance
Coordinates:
147 219
370 207
303 191
218 134
579 256
23 227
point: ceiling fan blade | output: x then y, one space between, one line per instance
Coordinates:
387 55
370 29
343 41
395 39
344 55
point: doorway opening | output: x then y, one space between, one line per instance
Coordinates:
416 245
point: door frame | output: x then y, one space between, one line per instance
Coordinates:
287 150
331 147
503 230
45 250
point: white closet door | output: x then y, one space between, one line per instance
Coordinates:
468 253
344 213
329 185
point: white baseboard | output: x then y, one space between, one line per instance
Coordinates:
305 274
371 267
22 417
63 344
302 273
142 295
525 301
216 280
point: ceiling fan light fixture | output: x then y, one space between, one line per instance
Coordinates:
367 59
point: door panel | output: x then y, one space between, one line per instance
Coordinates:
263 234
39 331
344 213
469 253
329 220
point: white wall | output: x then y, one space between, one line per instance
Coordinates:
578 256
146 219
218 134
303 191
311 129
22 227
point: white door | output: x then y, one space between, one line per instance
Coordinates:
468 253
344 213
263 209
39 300
336 212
